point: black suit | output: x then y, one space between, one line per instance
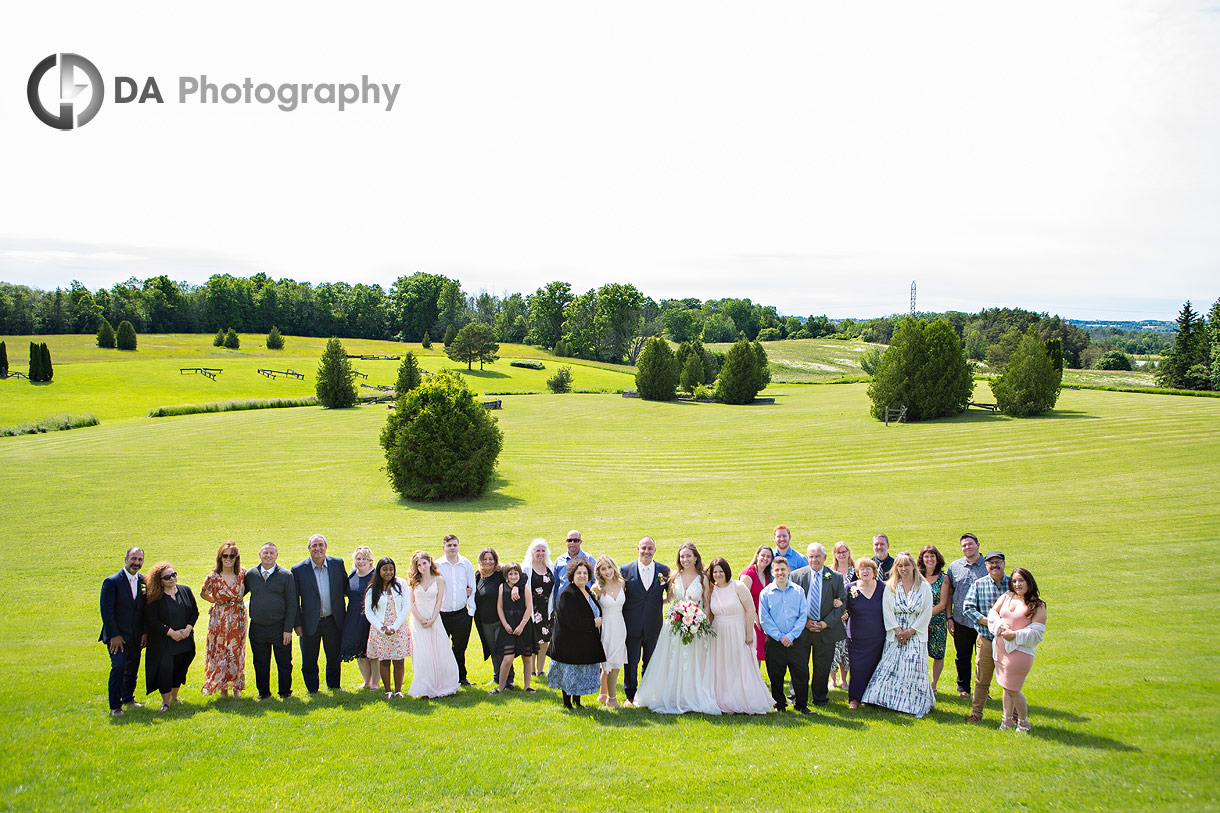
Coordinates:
273 611
318 631
123 617
822 644
643 614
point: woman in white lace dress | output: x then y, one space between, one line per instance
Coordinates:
679 676
612 597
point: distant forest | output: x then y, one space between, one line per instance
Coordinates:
610 323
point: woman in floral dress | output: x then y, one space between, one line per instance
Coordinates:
932 567
225 656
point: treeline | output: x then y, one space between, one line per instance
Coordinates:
610 323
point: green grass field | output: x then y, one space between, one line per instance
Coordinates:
1112 501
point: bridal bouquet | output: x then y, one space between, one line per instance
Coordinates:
687 620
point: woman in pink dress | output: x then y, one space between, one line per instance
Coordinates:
434 669
387 605
225 656
738 686
1018 621
755 578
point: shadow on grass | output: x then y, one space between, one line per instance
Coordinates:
1081 740
483 374
494 499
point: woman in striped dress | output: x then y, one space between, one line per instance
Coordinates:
900 681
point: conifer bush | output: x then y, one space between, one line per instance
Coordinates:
3 360
275 339
409 376
231 340
125 336
47 372
440 443
219 341
740 379
105 334
1030 383
656 377
561 382
336 385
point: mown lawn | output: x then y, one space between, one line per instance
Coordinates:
1112 501
113 384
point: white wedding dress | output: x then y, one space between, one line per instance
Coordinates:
679 676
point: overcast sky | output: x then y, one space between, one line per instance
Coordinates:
1058 156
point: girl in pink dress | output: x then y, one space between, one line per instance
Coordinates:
225 656
756 577
387 604
1018 621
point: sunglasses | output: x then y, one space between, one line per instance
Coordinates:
167 576
228 556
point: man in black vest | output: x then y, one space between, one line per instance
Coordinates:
321 584
646 583
123 629
273 611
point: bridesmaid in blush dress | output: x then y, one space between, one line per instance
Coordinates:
735 678
434 669
611 597
865 629
1018 622
756 577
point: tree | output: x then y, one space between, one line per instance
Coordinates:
1113 360
1213 332
125 337
562 380
409 375
450 332
924 369
1030 383
47 372
336 385
3 360
275 339
740 378
440 443
105 334
35 373
656 377
546 314
870 358
219 341
976 345
475 342
1174 371
692 373
426 343
231 340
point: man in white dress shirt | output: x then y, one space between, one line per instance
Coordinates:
457 605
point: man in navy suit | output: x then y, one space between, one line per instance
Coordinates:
123 629
321 590
646 583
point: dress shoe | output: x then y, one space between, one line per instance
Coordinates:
806 710
116 712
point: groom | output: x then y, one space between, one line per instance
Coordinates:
646 583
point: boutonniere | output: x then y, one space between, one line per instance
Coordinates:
826 576
855 592
141 588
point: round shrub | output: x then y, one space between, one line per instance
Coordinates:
1114 360
440 443
125 336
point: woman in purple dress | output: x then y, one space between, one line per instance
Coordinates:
865 629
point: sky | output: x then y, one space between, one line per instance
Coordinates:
814 156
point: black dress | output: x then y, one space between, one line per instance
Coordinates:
166 661
485 616
507 644
355 624
542 584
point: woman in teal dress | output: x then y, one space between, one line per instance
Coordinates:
932 567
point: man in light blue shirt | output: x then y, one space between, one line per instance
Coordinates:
782 612
561 564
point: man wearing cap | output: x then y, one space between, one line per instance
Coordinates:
960 574
979 600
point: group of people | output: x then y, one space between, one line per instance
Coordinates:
874 626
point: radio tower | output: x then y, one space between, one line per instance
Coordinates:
912 298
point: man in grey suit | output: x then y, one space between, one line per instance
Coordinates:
273 611
321 584
826 596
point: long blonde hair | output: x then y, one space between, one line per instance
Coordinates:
597 572
891 583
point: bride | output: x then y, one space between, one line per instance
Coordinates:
679 676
